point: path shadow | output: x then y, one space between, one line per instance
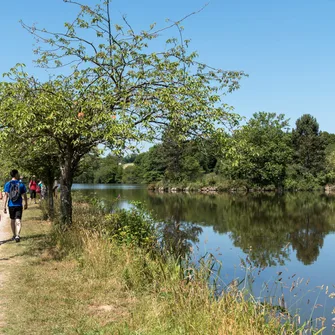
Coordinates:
10 257
32 237
5 241
24 238
37 245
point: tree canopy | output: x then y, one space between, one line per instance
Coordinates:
309 145
261 150
116 91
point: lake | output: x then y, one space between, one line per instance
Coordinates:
286 242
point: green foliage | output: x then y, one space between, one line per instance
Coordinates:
309 146
130 175
109 171
134 227
151 165
260 151
88 167
182 163
259 155
5 166
176 161
115 92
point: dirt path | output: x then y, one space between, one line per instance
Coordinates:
4 235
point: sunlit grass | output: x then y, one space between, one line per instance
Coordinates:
79 282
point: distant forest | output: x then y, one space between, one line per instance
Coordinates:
262 153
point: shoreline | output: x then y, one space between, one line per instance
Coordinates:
237 190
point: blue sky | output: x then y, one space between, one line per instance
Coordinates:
287 47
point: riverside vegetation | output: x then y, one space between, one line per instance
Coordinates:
261 155
108 274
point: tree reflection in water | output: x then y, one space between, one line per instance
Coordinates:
178 237
266 226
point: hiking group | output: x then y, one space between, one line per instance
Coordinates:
15 192
36 188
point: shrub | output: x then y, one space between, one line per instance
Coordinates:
133 227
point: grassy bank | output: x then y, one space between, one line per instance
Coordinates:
94 279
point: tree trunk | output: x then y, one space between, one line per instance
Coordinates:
51 212
66 181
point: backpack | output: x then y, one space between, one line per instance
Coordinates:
14 191
33 185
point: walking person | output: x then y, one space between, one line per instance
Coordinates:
43 189
32 189
14 190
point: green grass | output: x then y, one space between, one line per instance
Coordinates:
79 282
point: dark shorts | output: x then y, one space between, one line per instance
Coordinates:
32 194
15 212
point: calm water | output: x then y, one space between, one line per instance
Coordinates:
287 240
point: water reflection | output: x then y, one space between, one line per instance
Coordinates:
291 234
266 226
179 236
262 225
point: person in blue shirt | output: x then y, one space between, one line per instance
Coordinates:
14 190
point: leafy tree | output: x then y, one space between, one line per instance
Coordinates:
5 167
151 164
172 150
260 151
130 175
330 167
88 167
171 161
328 139
190 168
309 145
180 160
117 92
207 153
110 171
32 156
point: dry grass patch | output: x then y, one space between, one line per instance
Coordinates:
52 297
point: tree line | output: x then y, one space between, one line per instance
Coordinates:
263 153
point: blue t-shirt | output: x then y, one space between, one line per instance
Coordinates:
22 189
